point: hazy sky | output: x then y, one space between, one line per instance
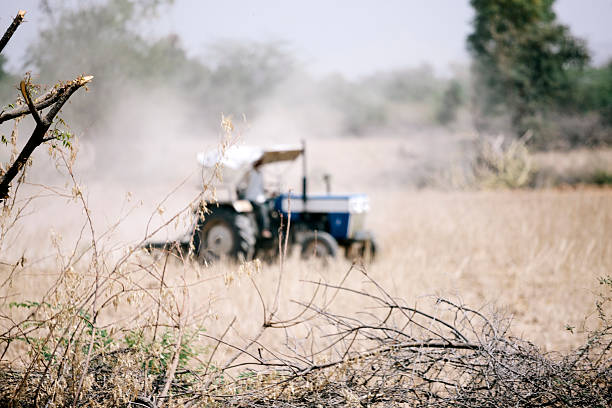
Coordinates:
354 37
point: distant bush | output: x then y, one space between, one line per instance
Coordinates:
602 178
495 162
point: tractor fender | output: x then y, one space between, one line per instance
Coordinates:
242 206
363 235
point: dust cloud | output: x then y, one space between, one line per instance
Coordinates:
142 151
150 109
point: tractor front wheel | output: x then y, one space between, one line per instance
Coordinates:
319 244
365 249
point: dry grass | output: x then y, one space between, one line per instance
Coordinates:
578 166
535 254
532 256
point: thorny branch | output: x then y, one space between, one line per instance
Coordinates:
446 356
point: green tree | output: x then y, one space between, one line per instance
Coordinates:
242 73
4 75
451 101
7 81
103 37
410 84
98 37
594 92
522 57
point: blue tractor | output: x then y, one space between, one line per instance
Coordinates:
320 224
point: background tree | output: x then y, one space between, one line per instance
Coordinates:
106 37
451 101
7 81
522 57
594 92
257 79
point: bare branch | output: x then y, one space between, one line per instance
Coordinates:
42 102
12 28
63 98
42 126
23 86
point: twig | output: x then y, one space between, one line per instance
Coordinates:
175 360
11 29
214 351
159 300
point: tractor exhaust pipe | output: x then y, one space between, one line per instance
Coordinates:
327 180
304 180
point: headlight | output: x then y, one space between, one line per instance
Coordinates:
359 204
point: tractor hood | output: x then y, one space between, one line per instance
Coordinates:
238 157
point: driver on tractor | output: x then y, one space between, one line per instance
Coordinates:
255 193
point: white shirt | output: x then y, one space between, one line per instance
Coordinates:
255 187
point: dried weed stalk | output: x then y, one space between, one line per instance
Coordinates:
61 349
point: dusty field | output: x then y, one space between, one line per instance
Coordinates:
534 256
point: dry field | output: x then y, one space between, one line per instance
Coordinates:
534 256
530 258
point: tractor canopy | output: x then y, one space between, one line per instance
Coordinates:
236 161
242 157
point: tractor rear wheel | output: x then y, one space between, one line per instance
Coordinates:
225 234
319 244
